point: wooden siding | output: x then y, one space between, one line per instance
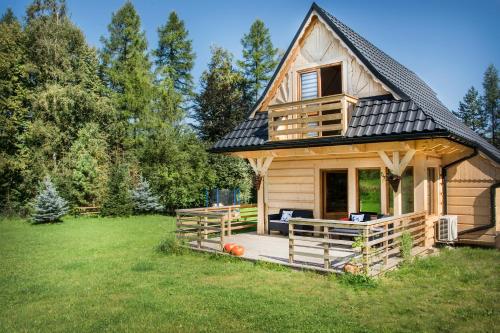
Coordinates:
469 197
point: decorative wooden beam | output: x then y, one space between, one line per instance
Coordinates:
396 166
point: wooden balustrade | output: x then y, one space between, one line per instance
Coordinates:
212 224
312 118
377 243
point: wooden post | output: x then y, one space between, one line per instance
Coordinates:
198 241
386 243
352 190
326 248
398 201
230 219
420 182
290 243
383 189
205 225
366 265
260 210
222 231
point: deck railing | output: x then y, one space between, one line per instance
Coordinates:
212 224
376 244
312 118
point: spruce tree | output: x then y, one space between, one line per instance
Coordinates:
221 103
259 58
126 70
491 102
48 205
144 199
174 56
118 201
470 111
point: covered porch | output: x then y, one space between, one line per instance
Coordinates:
326 248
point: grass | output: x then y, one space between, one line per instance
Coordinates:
98 275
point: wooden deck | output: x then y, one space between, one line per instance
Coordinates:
328 248
275 249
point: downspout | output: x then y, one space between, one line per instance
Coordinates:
492 195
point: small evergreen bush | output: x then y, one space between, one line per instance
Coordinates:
48 205
144 200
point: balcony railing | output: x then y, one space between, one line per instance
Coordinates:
312 118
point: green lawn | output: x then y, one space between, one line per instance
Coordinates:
95 274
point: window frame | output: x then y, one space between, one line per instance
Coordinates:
358 195
317 69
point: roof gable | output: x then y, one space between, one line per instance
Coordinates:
431 116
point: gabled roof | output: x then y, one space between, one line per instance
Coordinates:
419 112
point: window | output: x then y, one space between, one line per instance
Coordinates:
320 82
309 85
331 80
407 193
431 191
369 190
335 194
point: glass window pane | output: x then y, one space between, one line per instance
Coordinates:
407 190
336 191
369 190
431 188
309 85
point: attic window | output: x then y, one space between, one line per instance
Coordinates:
320 82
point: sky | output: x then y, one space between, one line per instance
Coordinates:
448 43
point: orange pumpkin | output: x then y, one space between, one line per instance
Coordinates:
228 247
237 251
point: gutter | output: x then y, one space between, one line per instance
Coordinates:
492 195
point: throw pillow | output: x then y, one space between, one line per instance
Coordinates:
357 217
286 215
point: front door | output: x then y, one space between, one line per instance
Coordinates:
334 193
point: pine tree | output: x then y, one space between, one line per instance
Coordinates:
144 200
259 58
126 70
118 201
491 102
221 103
49 206
470 111
174 56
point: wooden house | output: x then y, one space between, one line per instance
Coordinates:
340 120
364 154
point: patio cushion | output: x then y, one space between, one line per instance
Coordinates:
286 215
357 217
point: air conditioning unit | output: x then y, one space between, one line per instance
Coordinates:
447 229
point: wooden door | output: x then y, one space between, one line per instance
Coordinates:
334 194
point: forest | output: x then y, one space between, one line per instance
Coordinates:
99 122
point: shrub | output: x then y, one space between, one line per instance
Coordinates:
48 206
171 246
406 246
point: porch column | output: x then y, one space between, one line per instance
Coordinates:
260 167
397 167
420 183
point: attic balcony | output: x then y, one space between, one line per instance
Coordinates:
311 118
